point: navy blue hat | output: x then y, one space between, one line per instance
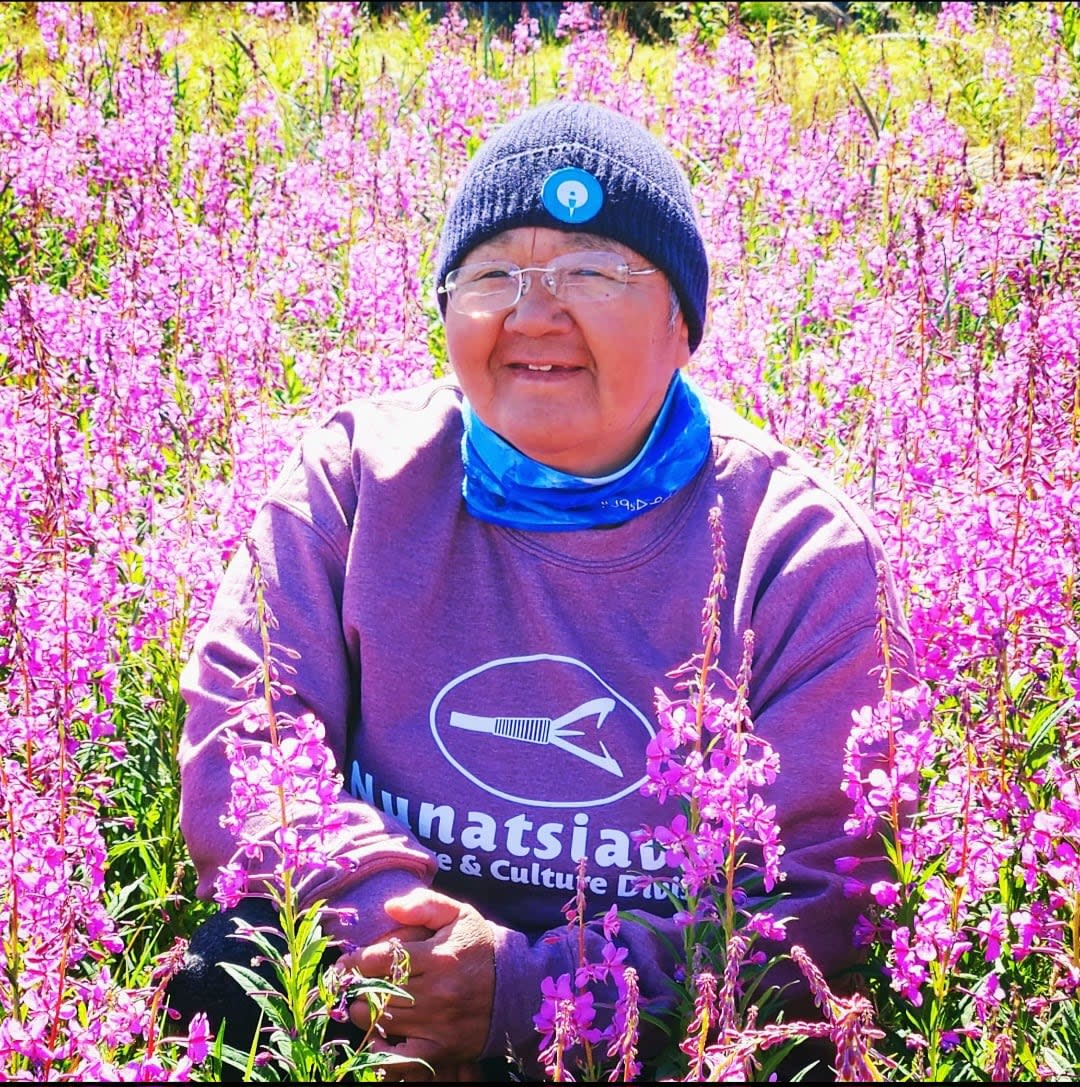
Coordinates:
578 166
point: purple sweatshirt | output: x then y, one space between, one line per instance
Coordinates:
488 693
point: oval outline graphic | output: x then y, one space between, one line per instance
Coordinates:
456 682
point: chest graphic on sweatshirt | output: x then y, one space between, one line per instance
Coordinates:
542 730
527 765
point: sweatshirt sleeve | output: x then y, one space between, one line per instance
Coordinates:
299 538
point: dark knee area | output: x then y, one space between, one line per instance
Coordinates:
202 985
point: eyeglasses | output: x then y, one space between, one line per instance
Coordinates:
492 285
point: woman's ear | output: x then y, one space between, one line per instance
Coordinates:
683 349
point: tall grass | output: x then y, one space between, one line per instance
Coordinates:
218 220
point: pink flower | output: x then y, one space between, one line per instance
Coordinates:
993 929
885 892
561 1005
230 885
198 1038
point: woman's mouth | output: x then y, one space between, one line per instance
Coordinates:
544 367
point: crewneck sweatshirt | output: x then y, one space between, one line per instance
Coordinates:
488 694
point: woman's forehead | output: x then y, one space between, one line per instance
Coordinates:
522 241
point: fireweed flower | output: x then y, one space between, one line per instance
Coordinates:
610 965
992 929
885 893
850 1025
140 419
706 755
902 718
525 37
604 975
564 1019
294 778
988 997
1003 1048
198 1036
956 18
624 1030
705 1019
720 783
907 970
284 783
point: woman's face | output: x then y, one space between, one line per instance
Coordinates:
575 386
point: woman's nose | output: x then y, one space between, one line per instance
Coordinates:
537 309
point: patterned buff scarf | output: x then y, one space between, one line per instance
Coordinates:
505 487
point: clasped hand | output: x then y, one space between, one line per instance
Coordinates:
451 982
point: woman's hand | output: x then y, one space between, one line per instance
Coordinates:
451 981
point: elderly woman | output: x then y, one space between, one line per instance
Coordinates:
487 578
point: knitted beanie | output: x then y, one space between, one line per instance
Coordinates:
576 166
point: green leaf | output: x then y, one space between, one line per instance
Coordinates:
272 1003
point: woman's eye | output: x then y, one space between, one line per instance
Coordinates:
587 271
483 274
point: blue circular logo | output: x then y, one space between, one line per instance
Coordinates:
572 195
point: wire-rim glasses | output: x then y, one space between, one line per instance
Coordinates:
489 286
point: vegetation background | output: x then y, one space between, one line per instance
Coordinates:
217 220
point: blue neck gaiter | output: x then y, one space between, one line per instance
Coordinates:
505 487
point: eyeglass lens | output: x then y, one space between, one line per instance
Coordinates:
487 286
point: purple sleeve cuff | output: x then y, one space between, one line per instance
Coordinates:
519 969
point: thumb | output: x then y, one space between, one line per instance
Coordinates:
423 907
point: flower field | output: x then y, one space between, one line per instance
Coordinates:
216 224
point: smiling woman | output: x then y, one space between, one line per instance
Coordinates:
479 584
572 377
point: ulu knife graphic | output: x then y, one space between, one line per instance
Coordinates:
545 730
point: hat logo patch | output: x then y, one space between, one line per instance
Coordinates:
572 195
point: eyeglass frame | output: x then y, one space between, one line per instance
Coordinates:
549 280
